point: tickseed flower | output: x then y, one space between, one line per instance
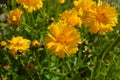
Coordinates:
61 1
31 5
18 44
29 67
3 43
35 44
14 16
102 19
71 18
62 39
84 6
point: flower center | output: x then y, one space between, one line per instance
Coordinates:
14 18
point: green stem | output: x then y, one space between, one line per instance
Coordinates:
27 18
111 46
6 55
13 2
33 20
37 62
30 28
22 63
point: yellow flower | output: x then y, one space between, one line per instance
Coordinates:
3 43
31 5
62 39
35 44
101 19
71 18
61 1
18 44
84 6
14 16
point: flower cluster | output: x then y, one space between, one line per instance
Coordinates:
100 17
64 36
20 45
59 39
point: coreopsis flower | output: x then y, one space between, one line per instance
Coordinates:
61 1
29 67
31 5
102 19
3 43
18 44
71 18
84 6
35 44
14 16
62 39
